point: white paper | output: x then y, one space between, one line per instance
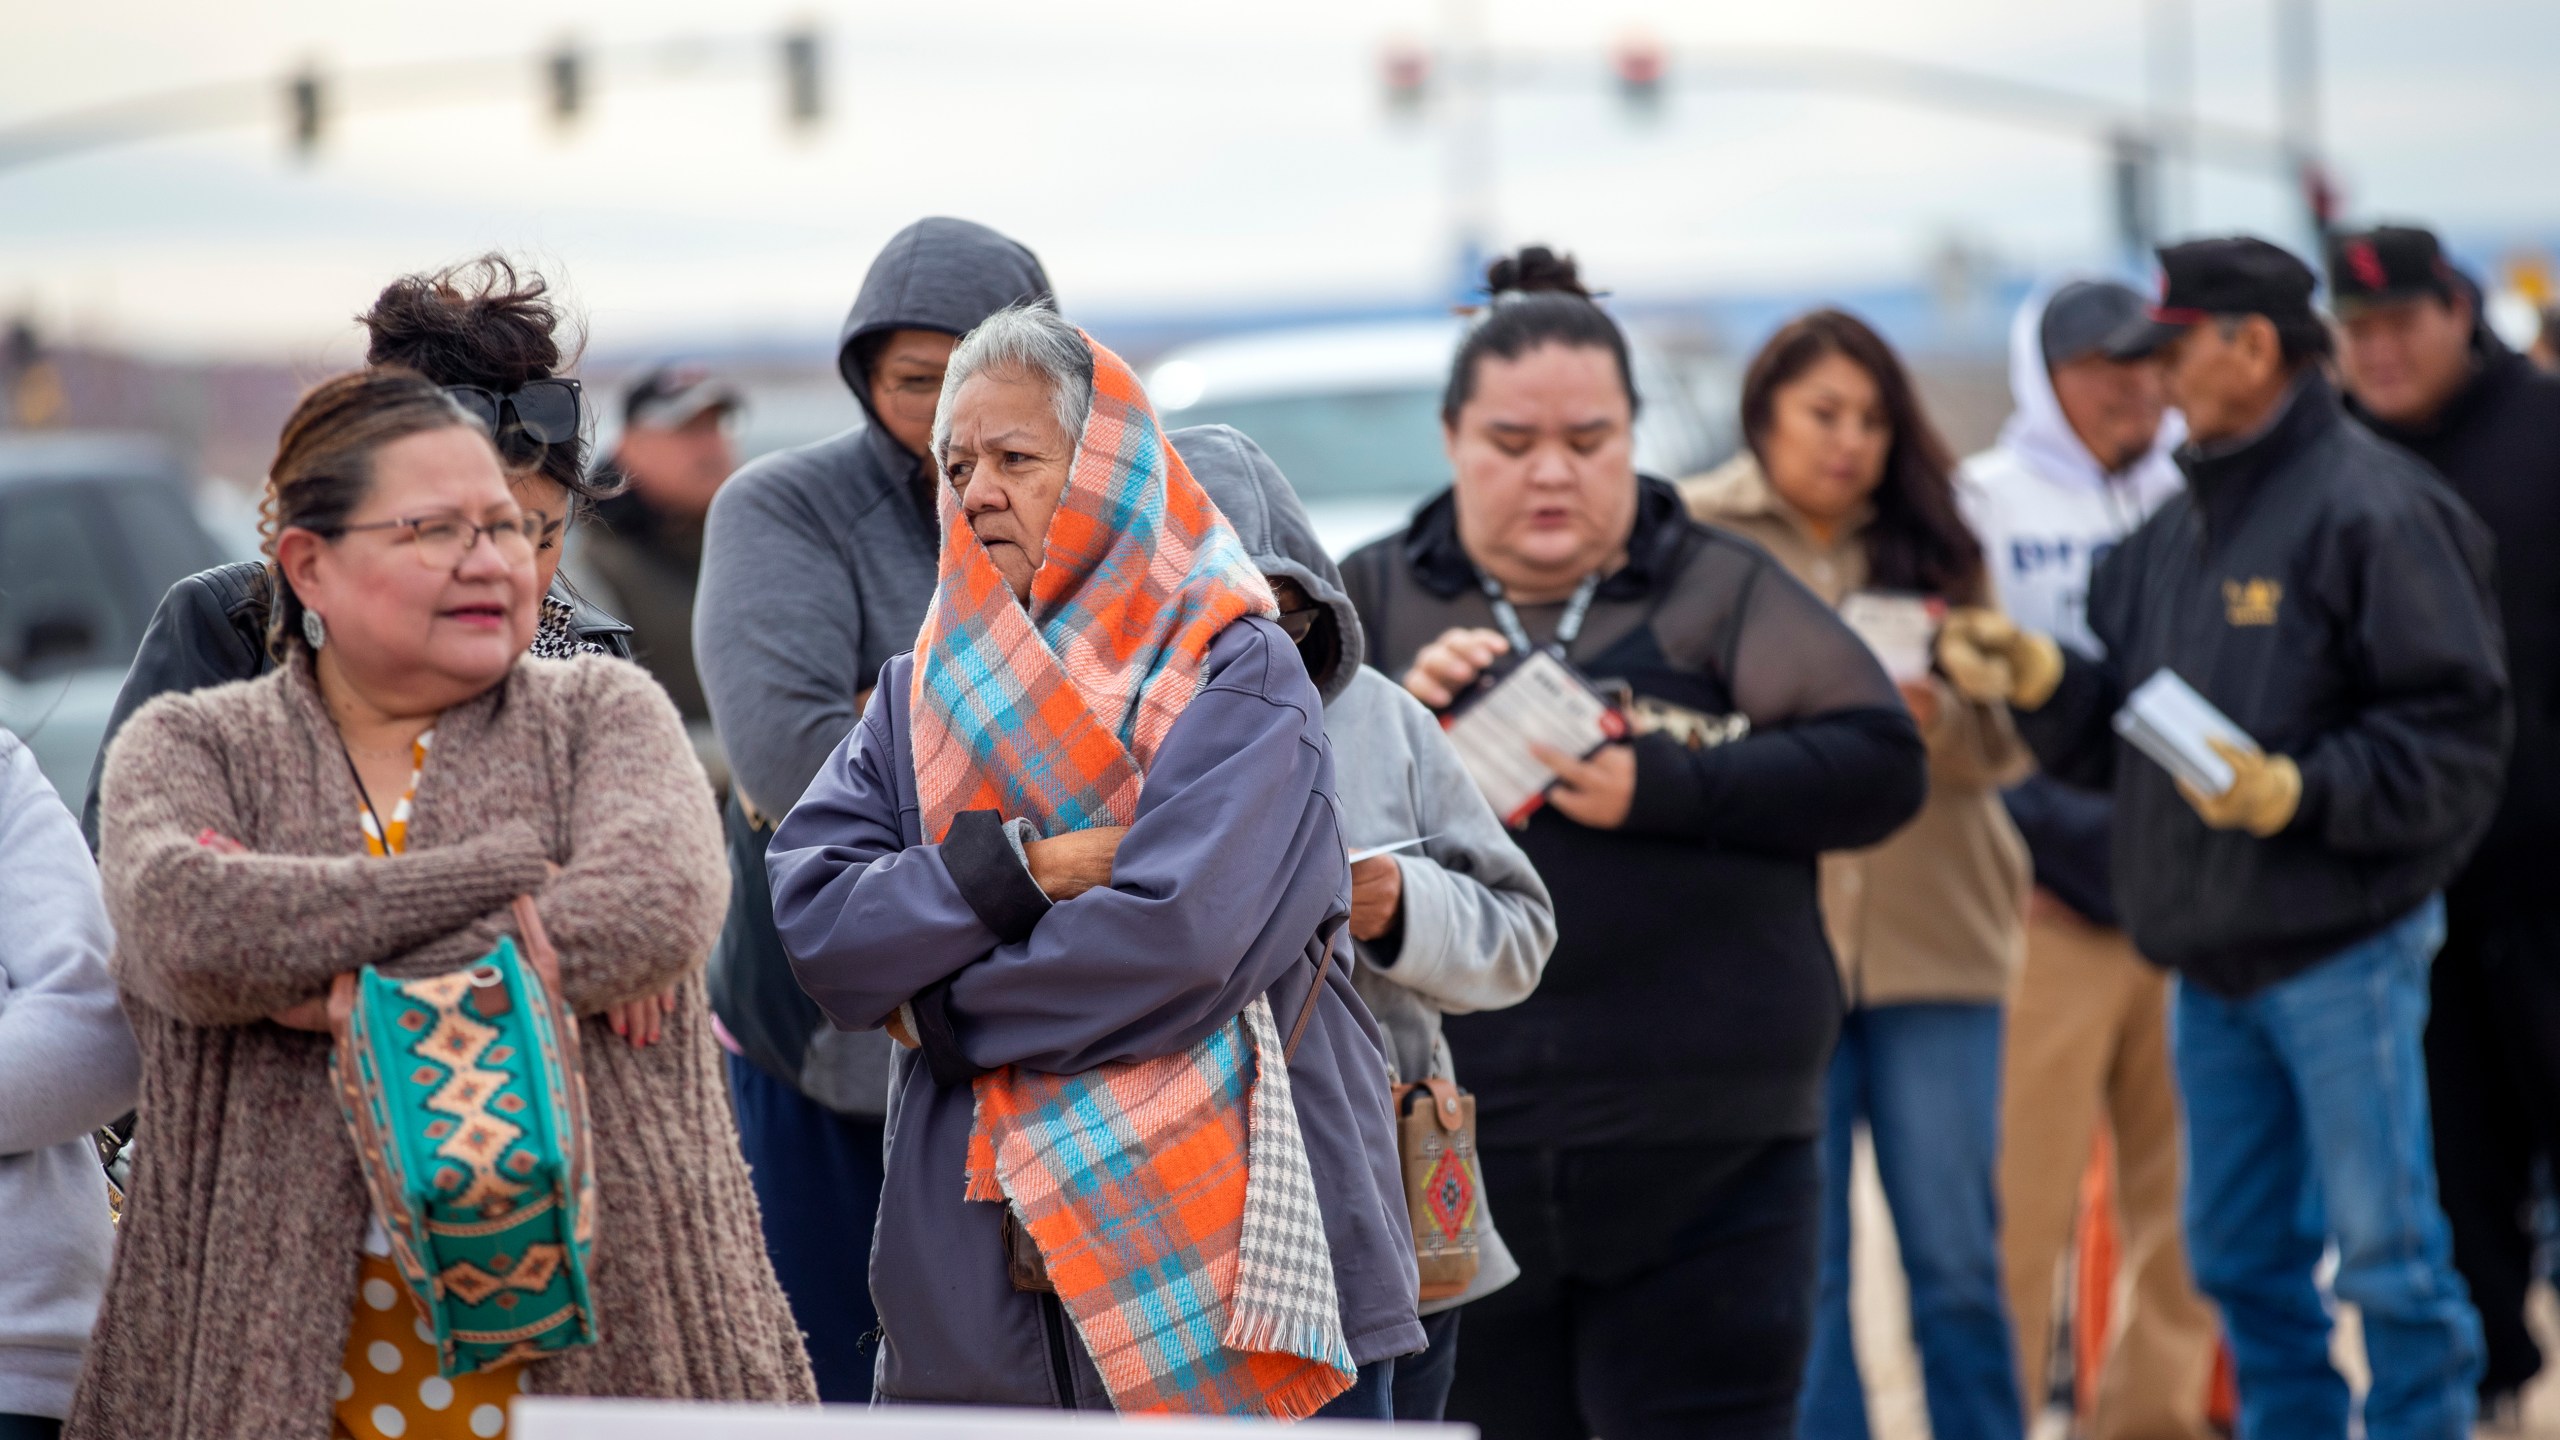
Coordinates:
2167 720
1374 851
1540 703
1900 629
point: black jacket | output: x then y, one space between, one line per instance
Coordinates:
1691 997
2498 445
211 628
2333 598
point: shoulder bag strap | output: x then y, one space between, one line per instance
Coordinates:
1315 991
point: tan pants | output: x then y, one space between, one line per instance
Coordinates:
2089 1040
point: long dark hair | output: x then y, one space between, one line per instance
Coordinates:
1537 299
1918 539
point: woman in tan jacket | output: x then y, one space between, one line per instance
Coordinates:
1847 484
382 797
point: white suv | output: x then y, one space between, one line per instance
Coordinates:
1351 413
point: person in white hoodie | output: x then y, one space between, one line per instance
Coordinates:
2082 461
67 1066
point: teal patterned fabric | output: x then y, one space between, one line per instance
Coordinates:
463 1094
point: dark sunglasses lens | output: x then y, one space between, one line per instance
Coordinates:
547 410
1297 624
477 403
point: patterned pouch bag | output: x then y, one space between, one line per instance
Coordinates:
464 1097
1436 1140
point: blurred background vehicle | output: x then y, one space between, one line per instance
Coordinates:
93 527
1351 413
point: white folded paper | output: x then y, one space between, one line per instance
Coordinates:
2167 720
1540 703
1900 629
1374 851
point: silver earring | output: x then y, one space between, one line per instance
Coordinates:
314 629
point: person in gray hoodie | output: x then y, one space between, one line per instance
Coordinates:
817 563
67 1066
1457 924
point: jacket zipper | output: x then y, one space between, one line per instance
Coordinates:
1053 1323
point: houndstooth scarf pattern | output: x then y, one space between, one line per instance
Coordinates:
555 634
1285 1299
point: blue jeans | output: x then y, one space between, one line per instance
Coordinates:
1926 1079
2307 1123
1422 1380
1372 1396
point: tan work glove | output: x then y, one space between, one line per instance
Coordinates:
1987 657
2265 790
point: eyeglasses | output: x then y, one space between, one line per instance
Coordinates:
440 541
1300 623
537 413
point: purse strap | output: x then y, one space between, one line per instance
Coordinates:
1307 1012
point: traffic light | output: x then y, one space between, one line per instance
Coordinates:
564 74
1639 64
804 101
306 111
1406 68
2319 197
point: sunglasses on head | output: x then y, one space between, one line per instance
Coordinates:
540 412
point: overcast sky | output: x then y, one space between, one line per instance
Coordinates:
1166 154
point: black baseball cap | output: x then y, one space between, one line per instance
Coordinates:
2082 316
2386 263
2233 275
670 395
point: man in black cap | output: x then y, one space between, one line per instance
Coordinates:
642 558
2424 371
2331 597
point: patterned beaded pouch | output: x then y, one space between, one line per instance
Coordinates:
463 1094
1436 1140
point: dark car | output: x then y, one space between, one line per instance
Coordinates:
93 528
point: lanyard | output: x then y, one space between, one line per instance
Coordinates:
1568 625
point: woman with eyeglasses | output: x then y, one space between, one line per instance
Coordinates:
383 797
489 333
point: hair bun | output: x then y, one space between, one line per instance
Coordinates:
1536 269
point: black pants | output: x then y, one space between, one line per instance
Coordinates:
28 1427
817 1176
1663 1292
2493 1079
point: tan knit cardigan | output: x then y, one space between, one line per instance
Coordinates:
227 1311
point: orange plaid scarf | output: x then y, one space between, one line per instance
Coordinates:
1169 1198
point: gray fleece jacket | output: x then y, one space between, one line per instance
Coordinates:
817 564
1477 922
67 1066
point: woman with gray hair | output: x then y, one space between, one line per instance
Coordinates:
1082 857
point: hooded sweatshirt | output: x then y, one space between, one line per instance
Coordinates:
817 564
1477 924
67 1066
2046 511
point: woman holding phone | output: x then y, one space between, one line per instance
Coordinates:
1648 1118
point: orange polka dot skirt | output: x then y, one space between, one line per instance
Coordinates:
389 1388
